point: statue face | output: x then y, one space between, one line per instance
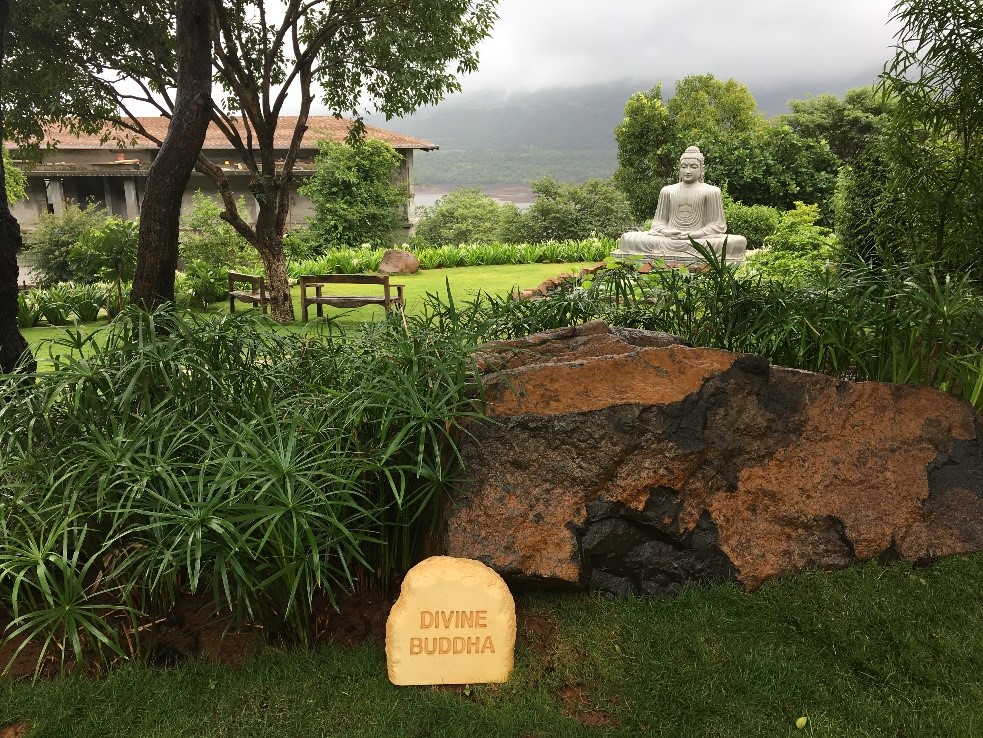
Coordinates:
690 170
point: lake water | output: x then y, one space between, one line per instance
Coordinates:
520 194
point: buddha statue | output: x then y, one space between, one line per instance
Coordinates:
689 209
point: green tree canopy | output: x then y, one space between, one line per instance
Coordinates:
771 165
390 55
355 200
848 125
703 105
756 161
62 59
55 68
646 151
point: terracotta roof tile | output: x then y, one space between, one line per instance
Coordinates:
319 127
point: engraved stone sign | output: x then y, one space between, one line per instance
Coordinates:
454 623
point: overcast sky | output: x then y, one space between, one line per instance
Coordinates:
766 44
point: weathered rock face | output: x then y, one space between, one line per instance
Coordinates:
395 261
628 462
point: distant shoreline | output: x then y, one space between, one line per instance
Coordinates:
520 194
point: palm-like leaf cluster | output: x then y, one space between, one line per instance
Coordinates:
179 455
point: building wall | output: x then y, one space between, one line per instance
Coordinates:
99 175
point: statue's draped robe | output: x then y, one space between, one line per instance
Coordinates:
696 209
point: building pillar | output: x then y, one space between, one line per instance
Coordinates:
56 196
132 204
407 175
107 197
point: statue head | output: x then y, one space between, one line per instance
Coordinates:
691 165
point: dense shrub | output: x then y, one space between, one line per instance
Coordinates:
798 250
754 222
467 216
53 238
15 183
299 244
562 212
201 284
209 240
28 310
354 198
108 252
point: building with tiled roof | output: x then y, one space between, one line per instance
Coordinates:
84 168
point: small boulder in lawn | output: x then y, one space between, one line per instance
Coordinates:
395 261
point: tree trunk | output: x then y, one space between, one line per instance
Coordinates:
14 352
153 282
270 247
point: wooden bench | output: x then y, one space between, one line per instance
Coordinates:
317 281
255 294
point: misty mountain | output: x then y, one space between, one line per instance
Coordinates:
567 118
558 118
567 132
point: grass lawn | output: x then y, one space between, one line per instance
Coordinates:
870 651
464 283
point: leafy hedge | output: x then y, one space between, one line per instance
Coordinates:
355 261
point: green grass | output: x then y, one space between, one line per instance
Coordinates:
870 651
464 283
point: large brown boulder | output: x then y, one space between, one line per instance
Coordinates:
395 261
628 462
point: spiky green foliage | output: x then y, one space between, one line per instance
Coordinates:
935 142
170 455
884 322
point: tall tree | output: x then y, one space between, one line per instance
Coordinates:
153 282
936 76
849 125
772 165
13 347
702 111
52 55
647 144
355 200
395 55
